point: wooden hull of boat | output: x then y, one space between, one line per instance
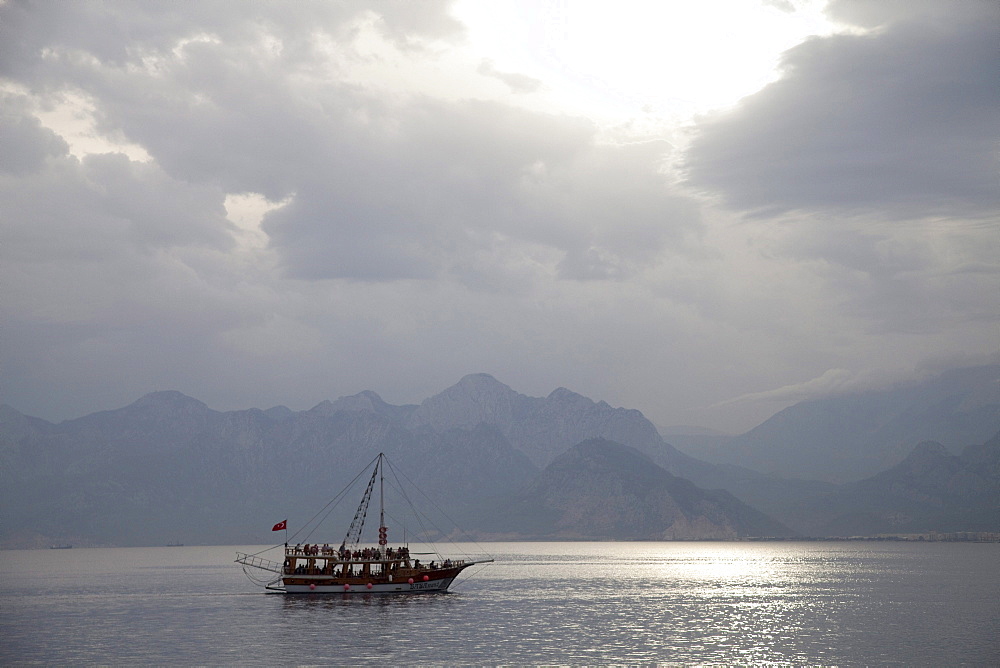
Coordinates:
429 587
437 581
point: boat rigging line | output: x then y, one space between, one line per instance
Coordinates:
354 531
419 516
330 506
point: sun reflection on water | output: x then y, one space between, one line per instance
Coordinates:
551 603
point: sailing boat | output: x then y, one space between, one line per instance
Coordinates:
352 568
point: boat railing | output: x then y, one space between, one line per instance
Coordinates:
258 562
317 552
337 560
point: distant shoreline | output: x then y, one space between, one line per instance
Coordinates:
929 537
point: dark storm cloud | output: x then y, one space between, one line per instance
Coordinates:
54 203
24 143
36 36
902 121
379 188
424 222
873 161
436 183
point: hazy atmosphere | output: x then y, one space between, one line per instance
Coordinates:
705 211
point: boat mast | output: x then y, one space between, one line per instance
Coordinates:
383 538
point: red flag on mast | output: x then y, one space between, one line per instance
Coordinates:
283 524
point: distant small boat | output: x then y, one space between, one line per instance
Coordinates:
60 547
175 544
353 568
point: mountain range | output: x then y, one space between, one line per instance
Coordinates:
601 490
167 468
855 435
931 488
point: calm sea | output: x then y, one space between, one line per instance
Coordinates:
553 603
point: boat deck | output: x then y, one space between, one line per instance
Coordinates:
309 564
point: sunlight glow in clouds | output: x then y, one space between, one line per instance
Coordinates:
73 119
621 61
246 211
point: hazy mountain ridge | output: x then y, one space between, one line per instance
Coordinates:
600 490
168 466
930 490
141 473
854 436
542 428
365 401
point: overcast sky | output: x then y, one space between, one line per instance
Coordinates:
705 211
